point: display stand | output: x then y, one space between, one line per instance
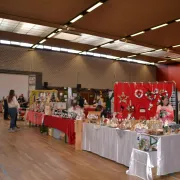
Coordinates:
142 97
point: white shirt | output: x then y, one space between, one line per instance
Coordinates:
14 103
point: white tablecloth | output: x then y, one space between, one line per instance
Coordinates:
117 145
111 143
168 154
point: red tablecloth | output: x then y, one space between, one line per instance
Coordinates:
35 117
65 125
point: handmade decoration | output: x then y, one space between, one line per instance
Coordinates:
150 106
162 93
150 95
123 98
138 93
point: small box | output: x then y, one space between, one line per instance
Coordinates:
50 131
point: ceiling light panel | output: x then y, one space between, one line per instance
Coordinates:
162 54
94 7
82 38
24 28
91 40
127 47
67 36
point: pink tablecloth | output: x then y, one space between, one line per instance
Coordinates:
35 117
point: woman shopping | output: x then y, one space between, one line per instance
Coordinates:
13 106
165 111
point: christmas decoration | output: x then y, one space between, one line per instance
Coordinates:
150 106
138 93
150 95
123 98
162 93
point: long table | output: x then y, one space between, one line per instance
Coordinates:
65 125
35 117
110 143
117 145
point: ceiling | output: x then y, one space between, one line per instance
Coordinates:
107 30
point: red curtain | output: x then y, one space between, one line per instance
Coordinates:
145 106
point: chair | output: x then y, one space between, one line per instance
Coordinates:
141 164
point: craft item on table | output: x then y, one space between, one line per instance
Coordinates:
141 127
125 125
123 98
113 125
114 119
138 93
119 115
92 116
105 121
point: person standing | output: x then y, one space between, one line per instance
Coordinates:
13 105
165 111
5 105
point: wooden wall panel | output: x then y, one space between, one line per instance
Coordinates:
62 69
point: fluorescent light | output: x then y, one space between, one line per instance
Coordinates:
178 20
56 49
146 52
83 53
94 7
137 33
15 43
40 47
51 35
64 50
162 61
59 30
96 55
93 49
90 53
158 50
174 59
116 41
5 42
25 44
105 44
132 55
76 18
176 46
35 46
73 51
42 41
137 61
157 27
48 47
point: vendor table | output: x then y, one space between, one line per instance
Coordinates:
35 117
117 145
65 125
168 158
111 143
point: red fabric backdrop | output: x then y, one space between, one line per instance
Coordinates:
139 103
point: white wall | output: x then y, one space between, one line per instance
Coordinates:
13 81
